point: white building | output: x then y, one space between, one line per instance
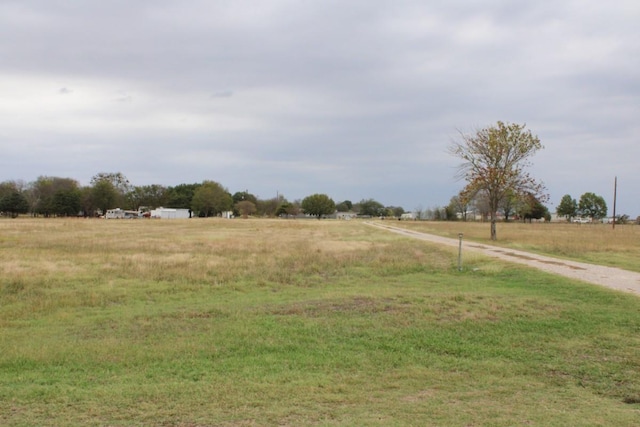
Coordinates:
170 213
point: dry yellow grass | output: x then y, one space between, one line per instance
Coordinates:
594 243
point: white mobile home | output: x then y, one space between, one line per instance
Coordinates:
171 213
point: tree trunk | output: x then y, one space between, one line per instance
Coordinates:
494 235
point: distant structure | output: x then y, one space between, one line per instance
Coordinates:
118 213
170 213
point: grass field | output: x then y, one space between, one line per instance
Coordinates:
288 323
592 243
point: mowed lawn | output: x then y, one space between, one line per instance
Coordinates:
298 322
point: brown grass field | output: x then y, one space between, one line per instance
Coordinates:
211 322
594 243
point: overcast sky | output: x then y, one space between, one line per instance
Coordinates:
356 99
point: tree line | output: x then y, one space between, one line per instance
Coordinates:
63 197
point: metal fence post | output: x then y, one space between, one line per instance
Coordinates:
460 252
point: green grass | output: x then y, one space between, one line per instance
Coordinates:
242 323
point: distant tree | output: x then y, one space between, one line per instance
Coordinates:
240 196
7 187
211 199
345 206
104 196
243 196
117 179
318 205
47 194
568 207
509 204
294 208
622 219
270 207
532 208
181 195
149 196
450 213
245 208
460 206
41 196
289 209
395 211
12 201
592 205
67 202
438 214
110 190
494 162
419 212
370 207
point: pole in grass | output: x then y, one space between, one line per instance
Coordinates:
460 252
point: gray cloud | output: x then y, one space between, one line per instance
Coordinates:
222 94
356 99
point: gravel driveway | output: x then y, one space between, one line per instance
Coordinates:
610 277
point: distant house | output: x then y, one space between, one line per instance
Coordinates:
171 213
408 216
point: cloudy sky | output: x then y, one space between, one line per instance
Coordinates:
356 99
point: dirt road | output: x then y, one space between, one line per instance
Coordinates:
614 278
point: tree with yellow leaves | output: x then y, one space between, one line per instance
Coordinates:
494 164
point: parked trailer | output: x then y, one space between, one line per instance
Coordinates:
171 213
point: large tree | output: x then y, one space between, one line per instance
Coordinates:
592 205
568 207
241 196
244 208
318 205
210 199
370 207
12 200
109 190
532 208
104 196
67 202
494 164
53 195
